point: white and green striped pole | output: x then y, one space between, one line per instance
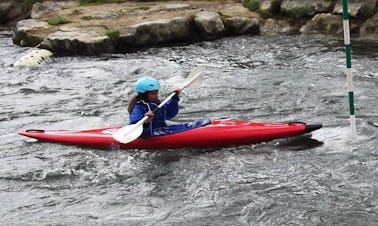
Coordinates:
349 66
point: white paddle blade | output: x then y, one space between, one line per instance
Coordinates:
128 133
196 83
194 79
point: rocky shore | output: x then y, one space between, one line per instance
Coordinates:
69 28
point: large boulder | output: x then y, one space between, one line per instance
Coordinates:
241 25
275 26
324 23
328 23
370 26
126 38
154 32
78 41
209 24
45 9
31 32
360 9
305 8
162 31
11 11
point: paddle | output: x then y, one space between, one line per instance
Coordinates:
131 132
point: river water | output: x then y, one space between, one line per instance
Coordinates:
326 178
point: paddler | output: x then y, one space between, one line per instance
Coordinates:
144 103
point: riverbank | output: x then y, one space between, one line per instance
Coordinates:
69 28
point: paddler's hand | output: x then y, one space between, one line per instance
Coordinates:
150 115
176 96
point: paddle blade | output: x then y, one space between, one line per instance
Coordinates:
194 79
196 83
128 133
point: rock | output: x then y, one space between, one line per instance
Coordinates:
154 32
105 28
324 23
277 26
31 32
305 8
41 9
241 25
370 26
328 23
126 38
78 41
4 9
11 11
177 6
237 10
162 31
361 9
209 24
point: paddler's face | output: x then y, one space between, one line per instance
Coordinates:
153 95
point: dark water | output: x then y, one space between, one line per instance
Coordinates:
325 178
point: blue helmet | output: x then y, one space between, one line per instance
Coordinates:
146 84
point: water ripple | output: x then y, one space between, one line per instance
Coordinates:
322 178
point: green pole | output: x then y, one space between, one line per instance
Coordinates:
348 67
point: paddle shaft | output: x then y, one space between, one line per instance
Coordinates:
156 109
186 84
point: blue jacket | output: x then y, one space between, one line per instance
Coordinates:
158 124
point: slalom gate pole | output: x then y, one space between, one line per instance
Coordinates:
349 66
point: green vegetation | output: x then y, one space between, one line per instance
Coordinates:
113 35
264 13
251 4
58 20
29 3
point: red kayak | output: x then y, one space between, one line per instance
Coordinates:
218 133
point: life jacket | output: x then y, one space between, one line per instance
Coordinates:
158 122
